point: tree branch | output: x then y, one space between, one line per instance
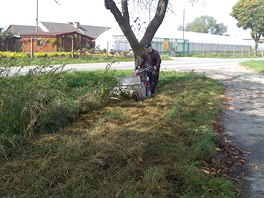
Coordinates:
156 21
125 11
122 22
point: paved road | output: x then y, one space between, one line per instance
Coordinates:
178 63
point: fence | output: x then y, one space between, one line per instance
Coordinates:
184 47
226 49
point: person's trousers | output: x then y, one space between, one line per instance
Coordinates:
153 79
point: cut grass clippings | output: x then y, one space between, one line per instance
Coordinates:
150 148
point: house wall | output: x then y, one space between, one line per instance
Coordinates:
39 45
79 43
65 44
54 44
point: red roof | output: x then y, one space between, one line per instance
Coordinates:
54 34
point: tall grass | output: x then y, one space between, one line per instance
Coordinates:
44 100
33 103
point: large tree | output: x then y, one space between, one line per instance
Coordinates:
205 24
122 17
250 15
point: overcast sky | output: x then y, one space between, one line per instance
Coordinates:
93 12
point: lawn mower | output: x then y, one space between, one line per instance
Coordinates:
136 87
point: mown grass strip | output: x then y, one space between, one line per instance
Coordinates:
151 148
257 65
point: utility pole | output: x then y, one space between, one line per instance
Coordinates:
37 18
183 24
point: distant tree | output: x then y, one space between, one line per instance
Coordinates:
205 24
6 41
250 15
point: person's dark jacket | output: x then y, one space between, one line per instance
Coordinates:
152 59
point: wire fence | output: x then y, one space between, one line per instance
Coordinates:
179 47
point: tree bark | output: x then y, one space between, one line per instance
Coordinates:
123 20
256 38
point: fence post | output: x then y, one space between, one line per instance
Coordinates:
234 50
242 52
107 48
203 49
215 50
225 49
72 46
32 48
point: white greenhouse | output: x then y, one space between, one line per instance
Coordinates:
172 42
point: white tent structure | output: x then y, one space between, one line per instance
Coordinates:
114 39
195 37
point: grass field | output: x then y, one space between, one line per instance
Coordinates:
165 146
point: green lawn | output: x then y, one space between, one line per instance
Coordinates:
257 65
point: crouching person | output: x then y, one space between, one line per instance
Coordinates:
151 57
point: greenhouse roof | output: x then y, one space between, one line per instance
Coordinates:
194 37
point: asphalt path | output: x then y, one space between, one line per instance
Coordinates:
183 63
175 63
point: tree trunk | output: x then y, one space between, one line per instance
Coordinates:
255 48
256 38
122 18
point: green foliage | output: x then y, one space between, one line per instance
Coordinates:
249 15
6 40
205 24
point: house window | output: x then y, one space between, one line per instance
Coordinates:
39 43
